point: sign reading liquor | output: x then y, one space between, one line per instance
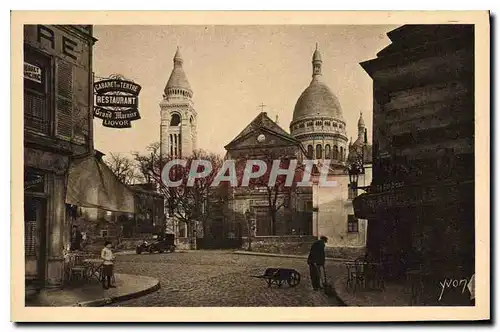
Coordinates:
116 102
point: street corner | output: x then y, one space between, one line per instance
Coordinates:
128 286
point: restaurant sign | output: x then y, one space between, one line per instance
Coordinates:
116 102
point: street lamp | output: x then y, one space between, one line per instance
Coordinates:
355 167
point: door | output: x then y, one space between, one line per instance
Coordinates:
263 221
34 240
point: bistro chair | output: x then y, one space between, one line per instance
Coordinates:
78 270
356 275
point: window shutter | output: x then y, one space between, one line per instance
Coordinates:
64 101
81 110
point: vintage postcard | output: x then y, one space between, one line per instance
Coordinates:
250 166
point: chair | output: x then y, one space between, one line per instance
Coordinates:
78 270
356 274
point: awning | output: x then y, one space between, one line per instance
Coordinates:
92 184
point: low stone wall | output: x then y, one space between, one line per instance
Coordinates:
182 243
131 243
345 252
288 244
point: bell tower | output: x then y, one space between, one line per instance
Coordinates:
178 116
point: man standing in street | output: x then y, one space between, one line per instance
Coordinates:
316 260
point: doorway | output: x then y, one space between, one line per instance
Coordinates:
34 240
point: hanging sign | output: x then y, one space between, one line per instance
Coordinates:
116 102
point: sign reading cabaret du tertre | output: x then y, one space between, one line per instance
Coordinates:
116 102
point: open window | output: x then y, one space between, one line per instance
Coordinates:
175 120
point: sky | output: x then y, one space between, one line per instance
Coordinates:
232 70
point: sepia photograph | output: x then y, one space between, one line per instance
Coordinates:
209 161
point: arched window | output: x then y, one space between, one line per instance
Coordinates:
175 120
310 151
328 151
341 153
335 152
319 151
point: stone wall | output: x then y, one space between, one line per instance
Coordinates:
292 245
350 253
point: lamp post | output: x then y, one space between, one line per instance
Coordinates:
355 167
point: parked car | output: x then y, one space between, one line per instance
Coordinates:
161 244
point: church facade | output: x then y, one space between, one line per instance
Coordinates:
264 139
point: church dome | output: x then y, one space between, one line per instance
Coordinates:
317 100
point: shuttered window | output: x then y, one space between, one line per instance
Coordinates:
37 87
64 103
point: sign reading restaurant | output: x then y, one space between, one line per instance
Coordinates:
116 102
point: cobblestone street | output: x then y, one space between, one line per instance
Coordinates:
217 278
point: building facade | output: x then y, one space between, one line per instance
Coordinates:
57 126
263 139
333 209
178 117
420 207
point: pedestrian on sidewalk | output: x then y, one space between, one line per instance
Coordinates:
108 262
316 261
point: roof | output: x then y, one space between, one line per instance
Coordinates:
361 121
178 78
262 121
317 100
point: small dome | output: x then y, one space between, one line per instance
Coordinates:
361 122
316 55
317 100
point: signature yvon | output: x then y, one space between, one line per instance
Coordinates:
455 283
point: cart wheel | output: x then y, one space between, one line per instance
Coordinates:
293 279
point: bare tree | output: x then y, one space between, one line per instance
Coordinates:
279 188
187 203
123 167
